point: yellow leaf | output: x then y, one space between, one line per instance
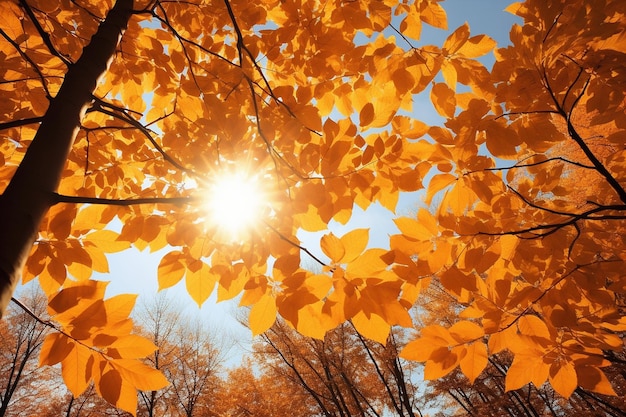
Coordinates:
474 361
99 262
513 7
368 264
171 270
106 240
477 46
332 247
439 335
563 377
449 74
373 326
130 346
437 183
199 281
411 26
140 375
263 314
434 14
459 198
312 322
318 285
119 307
354 243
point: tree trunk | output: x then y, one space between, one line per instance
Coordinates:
28 196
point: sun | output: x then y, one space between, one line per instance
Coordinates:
234 203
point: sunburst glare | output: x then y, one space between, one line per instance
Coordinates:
234 203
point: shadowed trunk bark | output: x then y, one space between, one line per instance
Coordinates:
29 194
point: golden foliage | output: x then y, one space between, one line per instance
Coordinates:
312 97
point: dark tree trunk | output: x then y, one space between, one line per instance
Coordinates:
29 194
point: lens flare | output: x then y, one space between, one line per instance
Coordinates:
234 203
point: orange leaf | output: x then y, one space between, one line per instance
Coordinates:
443 98
77 369
55 348
528 366
533 327
466 331
442 362
354 243
517 375
418 350
563 377
456 39
449 74
593 379
366 116
117 390
474 361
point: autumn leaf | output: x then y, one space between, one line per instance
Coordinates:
563 378
474 361
262 314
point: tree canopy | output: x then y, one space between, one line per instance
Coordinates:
122 122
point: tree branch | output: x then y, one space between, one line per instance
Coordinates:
22 122
302 248
58 198
44 35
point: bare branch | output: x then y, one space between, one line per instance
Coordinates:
22 122
59 198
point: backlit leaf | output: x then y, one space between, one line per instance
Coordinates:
263 314
332 247
563 378
474 361
372 327
171 270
